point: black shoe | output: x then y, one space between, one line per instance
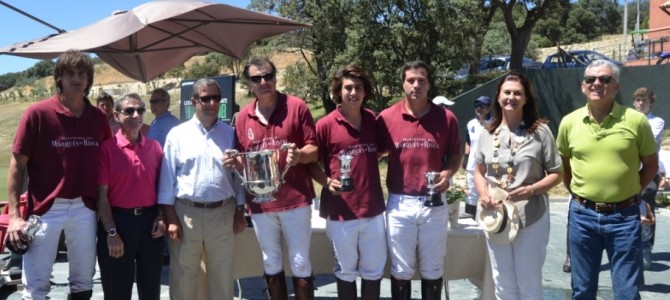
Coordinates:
566 265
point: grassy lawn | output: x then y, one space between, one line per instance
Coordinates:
9 117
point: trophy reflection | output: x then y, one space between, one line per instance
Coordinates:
433 198
32 226
347 184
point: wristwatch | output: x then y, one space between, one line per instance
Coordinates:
111 231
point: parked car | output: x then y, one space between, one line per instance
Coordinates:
574 59
494 63
664 58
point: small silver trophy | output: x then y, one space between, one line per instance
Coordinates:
433 198
32 226
347 184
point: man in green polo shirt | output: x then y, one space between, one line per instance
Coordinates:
603 146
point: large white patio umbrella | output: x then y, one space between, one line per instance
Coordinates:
158 36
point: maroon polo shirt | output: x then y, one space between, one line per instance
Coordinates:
62 151
336 136
290 122
416 146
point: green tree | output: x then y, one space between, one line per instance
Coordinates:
198 70
319 45
584 24
473 20
520 29
607 13
41 69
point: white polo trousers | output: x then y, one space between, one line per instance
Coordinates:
517 267
295 225
359 246
413 227
80 226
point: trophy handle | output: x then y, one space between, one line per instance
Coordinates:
285 147
235 154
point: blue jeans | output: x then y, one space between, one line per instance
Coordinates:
618 233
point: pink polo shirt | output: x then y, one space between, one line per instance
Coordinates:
416 146
336 136
290 122
130 171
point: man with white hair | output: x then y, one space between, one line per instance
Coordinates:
603 145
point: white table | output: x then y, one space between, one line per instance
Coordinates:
467 256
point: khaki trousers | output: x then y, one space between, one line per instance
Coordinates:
206 233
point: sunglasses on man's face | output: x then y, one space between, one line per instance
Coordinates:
210 98
130 111
155 101
481 105
257 78
604 79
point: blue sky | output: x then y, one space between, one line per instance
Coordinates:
67 14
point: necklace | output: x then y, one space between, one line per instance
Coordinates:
513 144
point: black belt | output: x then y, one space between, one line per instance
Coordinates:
202 204
606 207
135 211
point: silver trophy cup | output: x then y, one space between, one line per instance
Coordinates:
433 198
32 226
347 184
261 175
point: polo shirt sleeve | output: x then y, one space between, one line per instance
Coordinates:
562 140
552 161
382 134
322 139
103 164
26 132
307 125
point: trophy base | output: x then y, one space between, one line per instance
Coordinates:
264 198
433 200
11 248
347 185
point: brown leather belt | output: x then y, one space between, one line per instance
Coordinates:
201 204
606 207
135 211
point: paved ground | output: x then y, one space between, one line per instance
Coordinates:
556 283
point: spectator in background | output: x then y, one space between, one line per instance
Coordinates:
161 125
106 103
603 174
165 120
475 127
443 102
57 140
643 101
131 224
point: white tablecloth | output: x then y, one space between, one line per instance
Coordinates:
467 256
